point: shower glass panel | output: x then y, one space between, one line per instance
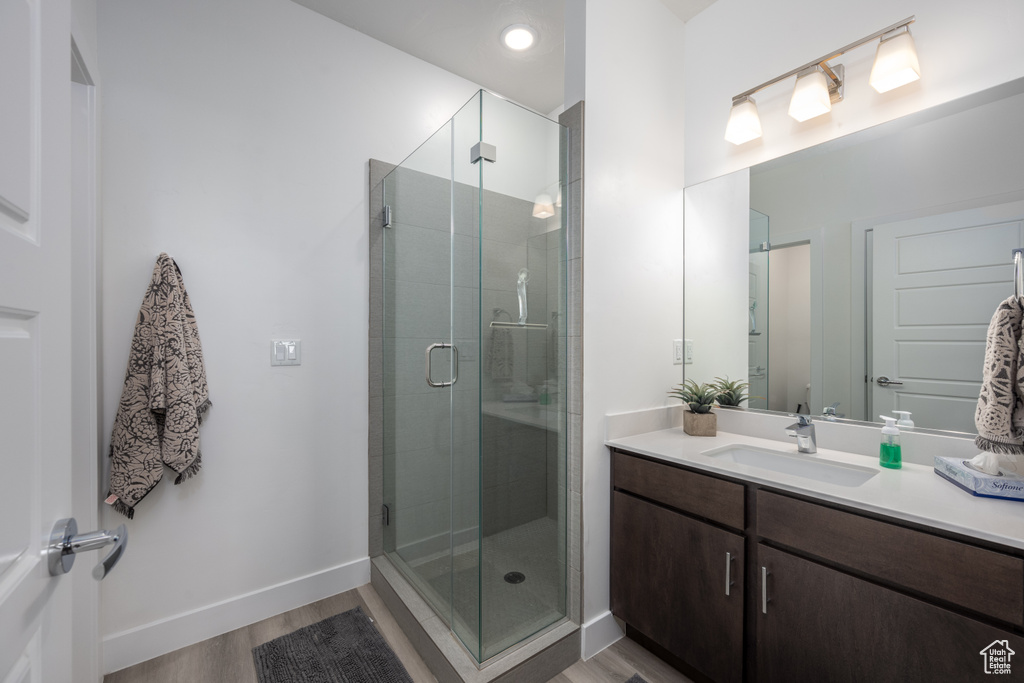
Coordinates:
475 469
417 417
757 308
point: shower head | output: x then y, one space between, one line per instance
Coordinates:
524 276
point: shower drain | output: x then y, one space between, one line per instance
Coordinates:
515 577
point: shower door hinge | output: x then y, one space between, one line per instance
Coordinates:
387 216
482 150
385 515
766 246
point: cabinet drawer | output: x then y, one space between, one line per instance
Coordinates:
715 499
986 581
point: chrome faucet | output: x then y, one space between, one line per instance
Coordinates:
829 412
803 431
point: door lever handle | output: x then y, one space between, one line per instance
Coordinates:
884 381
66 542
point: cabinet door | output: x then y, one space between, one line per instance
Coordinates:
668 581
823 625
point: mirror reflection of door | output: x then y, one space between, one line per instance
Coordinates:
937 281
789 328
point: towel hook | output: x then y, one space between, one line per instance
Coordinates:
1018 273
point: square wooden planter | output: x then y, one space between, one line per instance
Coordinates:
700 424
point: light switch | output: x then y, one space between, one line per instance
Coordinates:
285 352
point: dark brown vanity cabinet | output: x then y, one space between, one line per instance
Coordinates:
818 624
676 579
830 595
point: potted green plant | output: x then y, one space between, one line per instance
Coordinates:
731 393
699 398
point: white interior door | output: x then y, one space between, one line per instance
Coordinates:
35 352
937 281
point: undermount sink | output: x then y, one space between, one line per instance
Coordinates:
805 466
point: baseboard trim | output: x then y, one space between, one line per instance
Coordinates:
141 643
599 633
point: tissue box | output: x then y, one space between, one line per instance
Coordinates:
978 483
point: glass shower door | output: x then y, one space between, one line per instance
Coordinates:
418 369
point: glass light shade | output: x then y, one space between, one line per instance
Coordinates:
895 63
518 37
810 95
744 123
543 207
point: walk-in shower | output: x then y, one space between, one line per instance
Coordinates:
474 361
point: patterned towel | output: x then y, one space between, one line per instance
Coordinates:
500 351
1000 414
164 395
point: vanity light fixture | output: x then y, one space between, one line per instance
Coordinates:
819 85
518 37
895 62
813 92
744 123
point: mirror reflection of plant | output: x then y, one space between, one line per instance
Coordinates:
699 397
731 393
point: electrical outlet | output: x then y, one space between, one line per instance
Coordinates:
677 352
688 352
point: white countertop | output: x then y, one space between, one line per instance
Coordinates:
914 493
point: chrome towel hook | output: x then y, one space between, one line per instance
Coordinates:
1018 273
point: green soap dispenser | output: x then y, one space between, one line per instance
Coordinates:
889 452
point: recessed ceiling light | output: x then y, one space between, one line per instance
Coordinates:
518 37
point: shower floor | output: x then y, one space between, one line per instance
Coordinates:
510 611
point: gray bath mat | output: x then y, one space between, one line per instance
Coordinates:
345 648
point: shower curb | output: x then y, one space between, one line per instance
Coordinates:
543 657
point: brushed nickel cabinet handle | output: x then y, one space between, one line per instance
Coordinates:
728 572
764 590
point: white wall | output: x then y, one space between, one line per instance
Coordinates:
717 277
236 135
632 249
736 44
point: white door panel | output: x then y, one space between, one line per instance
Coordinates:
951 305
35 290
936 282
938 252
940 360
19 48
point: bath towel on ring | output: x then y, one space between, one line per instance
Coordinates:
999 417
164 395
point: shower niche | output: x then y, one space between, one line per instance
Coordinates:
474 367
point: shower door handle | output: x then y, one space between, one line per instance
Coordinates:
455 365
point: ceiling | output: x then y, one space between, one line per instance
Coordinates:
462 36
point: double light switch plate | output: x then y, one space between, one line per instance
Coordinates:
286 352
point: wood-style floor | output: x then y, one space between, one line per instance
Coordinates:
228 658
